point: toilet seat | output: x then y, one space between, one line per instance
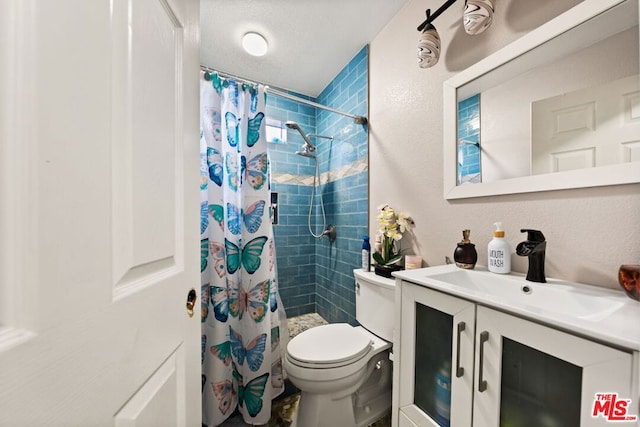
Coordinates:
329 346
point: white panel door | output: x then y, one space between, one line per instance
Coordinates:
587 128
99 154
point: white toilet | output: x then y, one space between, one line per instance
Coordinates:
344 372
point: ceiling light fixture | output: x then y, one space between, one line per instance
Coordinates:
255 44
477 17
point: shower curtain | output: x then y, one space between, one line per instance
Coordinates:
241 351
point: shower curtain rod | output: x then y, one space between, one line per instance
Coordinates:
360 120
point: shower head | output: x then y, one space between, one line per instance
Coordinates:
292 125
306 153
308 146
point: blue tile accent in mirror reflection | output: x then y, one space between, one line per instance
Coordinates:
469 134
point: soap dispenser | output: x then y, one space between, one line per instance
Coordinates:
465 254
499 252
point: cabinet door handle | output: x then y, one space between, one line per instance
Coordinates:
482 384
459 369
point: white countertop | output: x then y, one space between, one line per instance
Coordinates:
616 321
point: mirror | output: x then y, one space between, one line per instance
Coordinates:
558 108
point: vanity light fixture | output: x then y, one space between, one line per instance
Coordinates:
428 45
477 17
254 44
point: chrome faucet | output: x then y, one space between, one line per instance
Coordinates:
534 248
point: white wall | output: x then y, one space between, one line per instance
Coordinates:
590 232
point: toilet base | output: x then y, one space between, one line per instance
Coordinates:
319 410
340 413
370 402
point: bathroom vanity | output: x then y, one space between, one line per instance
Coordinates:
475 348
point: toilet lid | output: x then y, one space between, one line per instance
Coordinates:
333 344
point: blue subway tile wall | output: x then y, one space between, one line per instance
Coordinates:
315 275
469 140
295 250
294 246
347 203
347 192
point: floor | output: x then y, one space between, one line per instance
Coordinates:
302 323
283 408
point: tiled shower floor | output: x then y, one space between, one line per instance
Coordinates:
283 409
302 323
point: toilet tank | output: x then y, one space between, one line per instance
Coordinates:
375 303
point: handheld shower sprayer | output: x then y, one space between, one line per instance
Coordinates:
308 146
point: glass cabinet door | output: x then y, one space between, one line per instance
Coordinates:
529 375
436 368
432 371
537 389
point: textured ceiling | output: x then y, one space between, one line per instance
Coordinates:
310 41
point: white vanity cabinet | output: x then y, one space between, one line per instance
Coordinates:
500 368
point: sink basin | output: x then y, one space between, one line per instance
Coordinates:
603 314
556 296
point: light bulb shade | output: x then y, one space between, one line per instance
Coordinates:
254 44
478 15
429 47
